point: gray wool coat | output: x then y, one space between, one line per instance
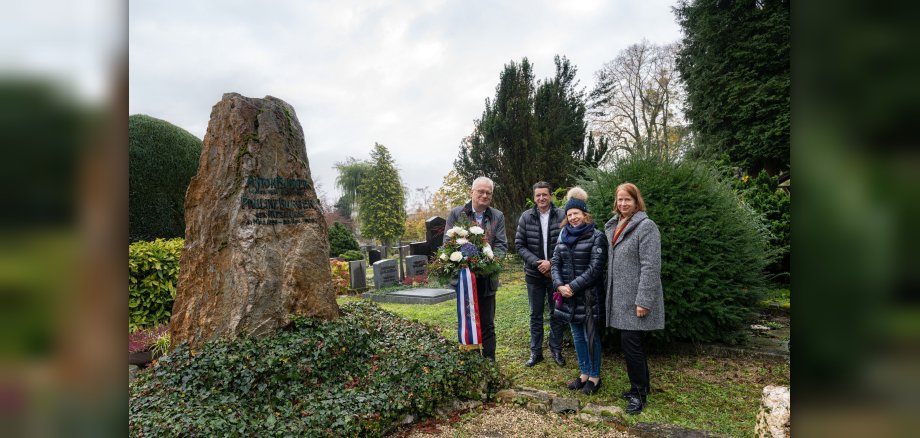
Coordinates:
634 274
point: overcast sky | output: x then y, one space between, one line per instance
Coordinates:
411 75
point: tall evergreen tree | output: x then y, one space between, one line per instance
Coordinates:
381 199
527 133
735 63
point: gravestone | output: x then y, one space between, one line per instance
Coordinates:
434 232
419 248
416 265
358 278
373 256
256 247
400 250
386 273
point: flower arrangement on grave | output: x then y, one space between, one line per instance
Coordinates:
466 254
466 247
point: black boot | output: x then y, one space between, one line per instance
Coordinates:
635 403
534 359
557 356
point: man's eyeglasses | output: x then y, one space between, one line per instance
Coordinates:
483 192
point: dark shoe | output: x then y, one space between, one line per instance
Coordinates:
533 360
591 387
557 356
627 394
577 384
635 404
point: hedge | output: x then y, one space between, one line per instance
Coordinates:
162 159
714 247
153 272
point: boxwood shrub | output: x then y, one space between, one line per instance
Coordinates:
162 159
356 376
153 271
714 248
341 240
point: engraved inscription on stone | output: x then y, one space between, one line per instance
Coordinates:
386 273
277 201
416 265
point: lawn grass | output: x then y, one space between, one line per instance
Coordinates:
715 394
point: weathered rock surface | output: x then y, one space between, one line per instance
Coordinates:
773 419
257 247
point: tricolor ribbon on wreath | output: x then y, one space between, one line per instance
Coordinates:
465 254
469 333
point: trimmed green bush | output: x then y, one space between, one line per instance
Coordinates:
162 159
713 246
153 271
351 254
356 376
341 240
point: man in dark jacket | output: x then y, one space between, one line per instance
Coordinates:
492 221
535 239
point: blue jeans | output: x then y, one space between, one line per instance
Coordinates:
592 368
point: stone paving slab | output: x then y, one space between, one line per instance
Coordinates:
414 296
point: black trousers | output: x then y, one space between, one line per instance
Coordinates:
487 321
540 296
636 360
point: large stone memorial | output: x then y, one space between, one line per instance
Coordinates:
386 273
416 265
257 247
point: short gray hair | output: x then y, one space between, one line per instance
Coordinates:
483 179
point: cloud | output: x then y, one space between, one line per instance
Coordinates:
412 75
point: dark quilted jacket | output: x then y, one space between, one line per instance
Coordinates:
582 267
528 240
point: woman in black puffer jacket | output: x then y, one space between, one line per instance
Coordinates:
578 268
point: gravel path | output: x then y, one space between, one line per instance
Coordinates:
508 420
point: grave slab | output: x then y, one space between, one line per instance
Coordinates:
414 296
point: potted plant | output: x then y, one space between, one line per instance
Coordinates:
145 345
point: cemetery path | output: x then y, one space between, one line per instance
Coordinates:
507 420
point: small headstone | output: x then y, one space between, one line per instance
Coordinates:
358 278
416 265
397 250
434 232
373 256
386 273
419 248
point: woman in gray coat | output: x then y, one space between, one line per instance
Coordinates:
635 301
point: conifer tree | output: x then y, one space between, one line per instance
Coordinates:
381 198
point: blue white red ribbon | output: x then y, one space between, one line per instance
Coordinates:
468 329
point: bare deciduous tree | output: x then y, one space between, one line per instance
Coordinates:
636 103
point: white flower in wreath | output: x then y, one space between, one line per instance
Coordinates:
462 233
443 257
450 232
476 230
487 250
462 241
456 256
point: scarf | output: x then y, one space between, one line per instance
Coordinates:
572 234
